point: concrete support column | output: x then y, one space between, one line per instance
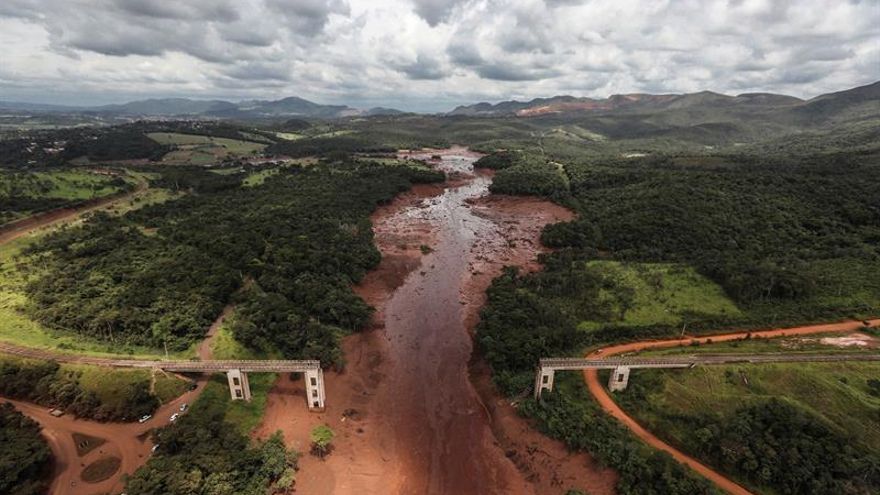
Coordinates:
239 388
315 389
619 378
543 381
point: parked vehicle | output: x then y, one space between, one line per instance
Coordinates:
146 418
174 417
184 407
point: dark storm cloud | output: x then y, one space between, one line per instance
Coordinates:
502 72
435 11
255 71
307 16
424 68
204 10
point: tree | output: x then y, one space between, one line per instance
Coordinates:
322 436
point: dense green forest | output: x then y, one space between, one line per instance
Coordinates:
204 453
786 239
161 274
46 383
789 239
533 176
785 428
25 456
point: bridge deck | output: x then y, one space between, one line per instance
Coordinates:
245 365
692 360
183 366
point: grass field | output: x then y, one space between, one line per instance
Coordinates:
246 415
108 383
168 386
257 178
837 393
25 193
202 150
66 184
289 136
112 385
644 294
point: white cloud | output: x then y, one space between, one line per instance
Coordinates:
408 53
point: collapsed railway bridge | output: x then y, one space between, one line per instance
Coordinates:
621 366
236 370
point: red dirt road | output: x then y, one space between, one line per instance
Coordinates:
14 230
408 418
128 441
604 399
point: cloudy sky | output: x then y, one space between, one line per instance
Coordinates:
430 54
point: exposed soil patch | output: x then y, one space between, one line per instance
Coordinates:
101 469
406 415
855 339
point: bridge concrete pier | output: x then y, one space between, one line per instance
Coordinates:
619 379
239 387
544 380
315 389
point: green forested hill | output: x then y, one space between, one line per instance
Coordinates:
163 273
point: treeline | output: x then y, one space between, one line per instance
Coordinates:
583 426
51 148
118 143
754 228
318 146
161 274
204 453
24 193
794 453
25 457
530 317
497 161
13 207
526 174
47 384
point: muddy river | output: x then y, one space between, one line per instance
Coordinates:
442 424
409 418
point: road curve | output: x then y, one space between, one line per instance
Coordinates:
598 391
128 441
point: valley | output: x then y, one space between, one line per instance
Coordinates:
428 263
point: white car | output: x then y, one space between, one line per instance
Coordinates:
183 407
146 418
174 417
155 448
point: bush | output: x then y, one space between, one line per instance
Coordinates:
25 456
322 438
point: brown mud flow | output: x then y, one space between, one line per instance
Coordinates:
407 416
440 423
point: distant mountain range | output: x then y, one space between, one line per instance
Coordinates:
639 103
185 107
853 102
